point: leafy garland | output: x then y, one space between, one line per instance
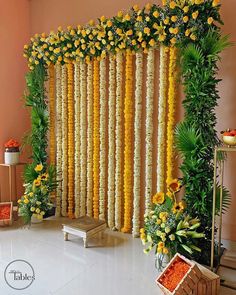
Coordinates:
177 22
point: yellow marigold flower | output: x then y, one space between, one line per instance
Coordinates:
186 9
210 20
120 14
173 40
109 23
92 51
26 46
38 168
159 250
174 185
147 19
119 31
197 2
52 57
72 32
19 201
25 55
146 30
174 18
158 198
152 42
156 14
165 250
185 19
187 32
129 33
195 14
171 30
139 18
62 38
32 209
215 3
45 46
193 37
161 38
91 22
176 31
172 5
135 7
163 215
161 245
26 201
166 21
127 17
102 18
36 62
134 42
57 50
51 48
158 221
144 44
37 182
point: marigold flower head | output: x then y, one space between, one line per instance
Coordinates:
146 30
215 3
158 198
165 250
127 17
156 14
174 18
185 19
152 42
172 5
166 21
210 20
195 14
161 245
193 37
186 9
38 168
161 38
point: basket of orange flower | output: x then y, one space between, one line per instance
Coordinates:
168 229
6 213
12 152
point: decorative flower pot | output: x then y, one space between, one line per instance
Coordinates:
11 158
35 220
161 261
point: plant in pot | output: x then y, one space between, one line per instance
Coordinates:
12 152
168 228
35 202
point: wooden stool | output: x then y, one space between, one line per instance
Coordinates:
84 227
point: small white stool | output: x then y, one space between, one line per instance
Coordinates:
84 227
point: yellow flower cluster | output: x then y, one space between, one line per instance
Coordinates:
137 29
52 140
70 75
171 112
96 139
128 165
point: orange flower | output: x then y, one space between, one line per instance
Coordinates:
210 20
172 4
158 198
174 185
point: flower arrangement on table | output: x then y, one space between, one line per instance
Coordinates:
12 145
168 228
36 199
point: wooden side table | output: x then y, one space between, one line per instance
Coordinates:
85 227
11 180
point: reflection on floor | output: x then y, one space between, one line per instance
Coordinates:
114 265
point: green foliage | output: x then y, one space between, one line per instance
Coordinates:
196 136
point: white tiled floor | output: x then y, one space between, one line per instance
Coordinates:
114 265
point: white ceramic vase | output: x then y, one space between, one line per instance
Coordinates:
11 158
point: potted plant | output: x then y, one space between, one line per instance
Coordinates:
168 228
35 202
12 152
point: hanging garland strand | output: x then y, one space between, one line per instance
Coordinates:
171 112
52 140
149 128
77 137
162 118
102 181
83 139
64 139
71 142
58 138
118 141
96 114
137 142
89 140
111 143
128 165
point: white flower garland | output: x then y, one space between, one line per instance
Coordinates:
89 140
162 119
64 139
111 143
83 139
58 139
77 137
137 143
149 128
119 138
102 188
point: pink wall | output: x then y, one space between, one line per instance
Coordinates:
14 119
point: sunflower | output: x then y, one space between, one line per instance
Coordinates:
174 185
178 207
158 198
38 168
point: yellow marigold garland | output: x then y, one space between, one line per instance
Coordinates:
161 133
171 112
52 140
118 140
64 140
89 140
83 138
149 128
128 162
102 181
96 114
71 142
77 137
